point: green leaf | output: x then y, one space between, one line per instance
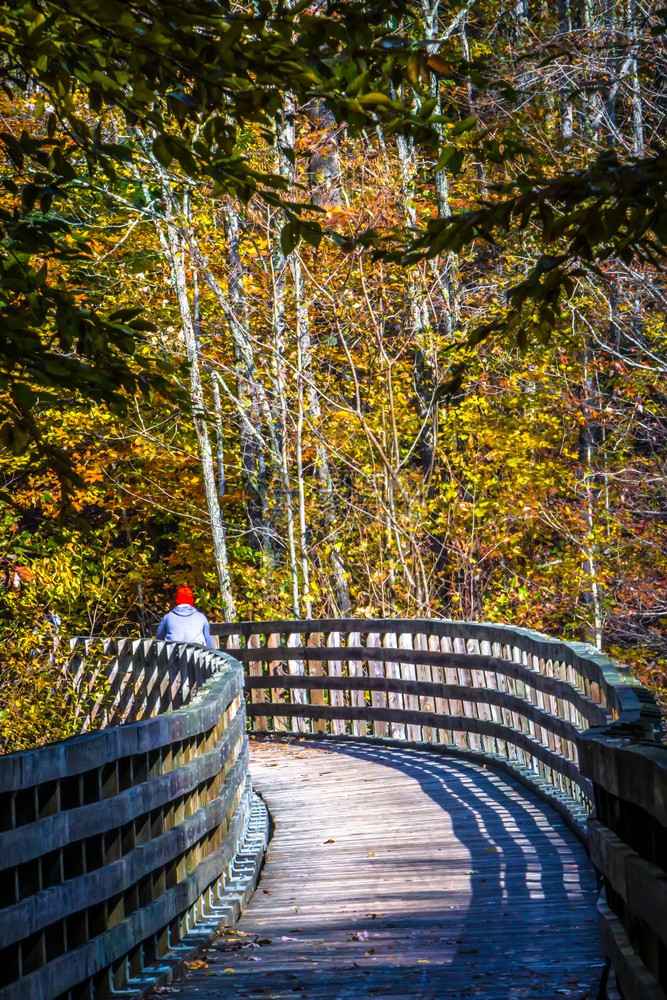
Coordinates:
24 395
289 237
463 126
161 151
312 233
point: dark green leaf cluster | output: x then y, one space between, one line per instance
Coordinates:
580 218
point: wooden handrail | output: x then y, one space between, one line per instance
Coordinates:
559 715
512 695
118 848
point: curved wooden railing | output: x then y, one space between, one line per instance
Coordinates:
510 694
123 849
563 718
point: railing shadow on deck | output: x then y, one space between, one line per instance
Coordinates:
518 895
560 717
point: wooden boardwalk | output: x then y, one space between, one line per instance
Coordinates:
396 873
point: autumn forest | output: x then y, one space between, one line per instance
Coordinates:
358 310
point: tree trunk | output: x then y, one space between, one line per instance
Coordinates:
253 462
218 531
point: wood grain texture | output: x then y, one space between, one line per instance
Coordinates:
398 873
582 662
590 712
115 843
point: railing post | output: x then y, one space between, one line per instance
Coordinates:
378 698
257 695
316 669
394 698
278 695
336 699
357 700
297 695
408 672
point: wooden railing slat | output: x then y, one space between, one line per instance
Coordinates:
335 693
141 822
256 671
295 667
375 669
316 670
592 713
356 671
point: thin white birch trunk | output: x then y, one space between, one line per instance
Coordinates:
175 252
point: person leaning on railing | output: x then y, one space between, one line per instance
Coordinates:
184 623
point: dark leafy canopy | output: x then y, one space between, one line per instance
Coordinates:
193 76
583 218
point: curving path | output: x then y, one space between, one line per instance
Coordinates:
397 873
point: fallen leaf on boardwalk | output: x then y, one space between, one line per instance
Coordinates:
266 892
372 854
423 961
196 964
371 951
228 970
330 841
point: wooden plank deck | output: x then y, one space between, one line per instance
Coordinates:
397 873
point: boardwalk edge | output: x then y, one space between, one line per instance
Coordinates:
246 869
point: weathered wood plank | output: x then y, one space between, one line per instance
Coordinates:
408 672
295 667
396 873
256 670
375 669
335 668
315 673
525 744
276 660
592 714
356 672
394 694
428 690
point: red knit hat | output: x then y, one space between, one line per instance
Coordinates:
184 596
